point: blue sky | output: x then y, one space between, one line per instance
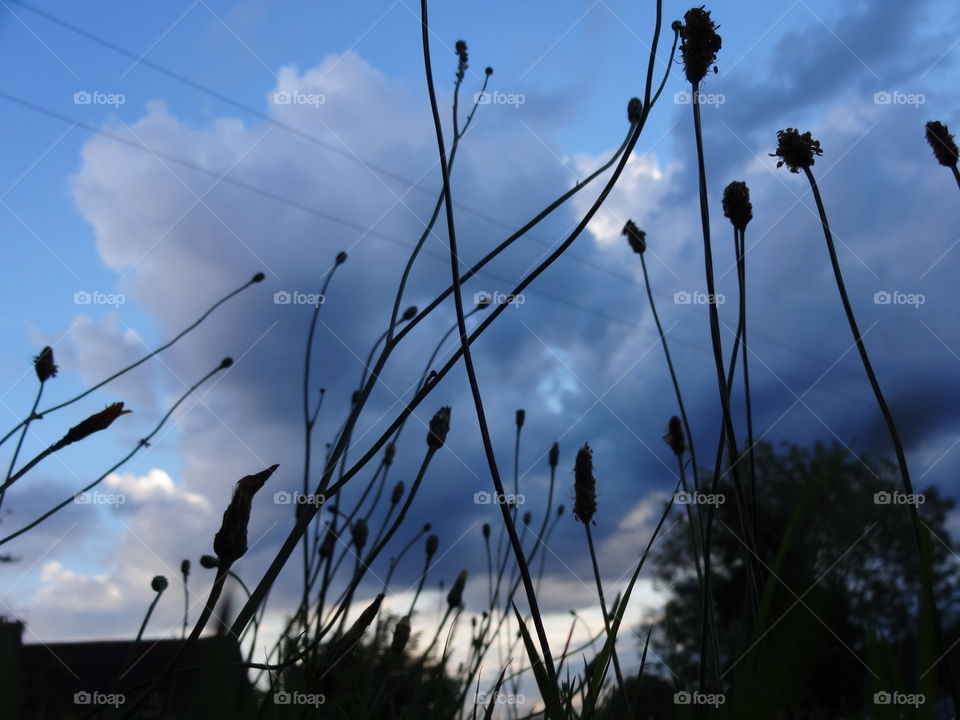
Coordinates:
81 212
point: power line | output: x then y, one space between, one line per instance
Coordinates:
373 167
221 177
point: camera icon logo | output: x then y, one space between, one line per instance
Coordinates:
482 498
281 698
282 497
82 97
882 298
881 498
82 298
682 98
282 97
682 698
281 297
882 98
682 297
82 698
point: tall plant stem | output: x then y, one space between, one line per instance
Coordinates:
26 426
468 358
606 615
926 568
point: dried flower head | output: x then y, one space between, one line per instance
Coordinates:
461 49
636 237
226 362
43 364
359 533
209 562
486 531
455 596
584 486
259 277
353 636
944 147
341 258
329 540
521 416
699 43
433 542
409 314
560 509
185 569
634 110
159 583
230 542
527 517
736 204
95 423
439 427
401 634
397 495
674 437
796 150
554 455
488 71
389 451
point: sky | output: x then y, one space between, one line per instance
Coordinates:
157 155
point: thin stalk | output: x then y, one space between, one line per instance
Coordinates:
606 615
142 360
26 425
142 444
925 568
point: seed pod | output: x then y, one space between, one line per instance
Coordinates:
584 486
185 569
699 43
486 531
554 457
634 110
226 362
397 493
356 631
401 634
230 542
942 143
736 204
159 583
636 237
95 423
389 451
796 151
527 517
439 427
488 71
209 562
433 542
674 437
410 313
259 277
560 510
455 596
326 547
521 417
341 258
359 533
43 365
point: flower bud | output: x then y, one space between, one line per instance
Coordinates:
699 43
521 416
455 596
554 456
159 583
796 151
359 533
43 365
433 542
674 437
636 238
259 277
397 493
942 143
584 486
736 204
95 423
209 562
439 427
230 542
401 634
